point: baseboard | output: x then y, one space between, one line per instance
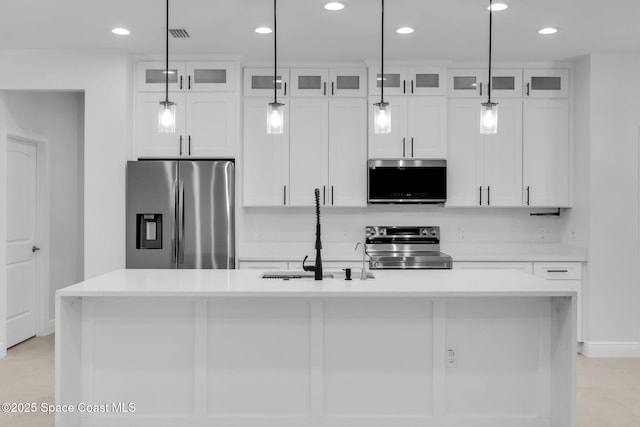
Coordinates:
611 349
48 329
3 349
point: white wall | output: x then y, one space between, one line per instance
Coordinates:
105 76
57 115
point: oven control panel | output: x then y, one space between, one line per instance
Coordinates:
404 232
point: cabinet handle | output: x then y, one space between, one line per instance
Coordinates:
332 195
325 88
411 85
189 83
180 82
324 191
189 145
285 88
404 86
481 195
404 148
528 87
331 88
411 146
557 271
480 88
528 191
181 145
285 196
489 195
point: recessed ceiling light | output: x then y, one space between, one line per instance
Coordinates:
497 7
548 30
404 30
334 6
263 30
121 31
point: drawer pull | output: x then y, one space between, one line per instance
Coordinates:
557 271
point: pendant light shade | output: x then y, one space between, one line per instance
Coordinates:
275 109
167 110
489 110
381 111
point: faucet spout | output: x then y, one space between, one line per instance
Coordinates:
363 273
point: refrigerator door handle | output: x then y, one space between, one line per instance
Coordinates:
174 201
181 223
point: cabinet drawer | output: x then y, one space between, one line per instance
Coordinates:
558 270
482 265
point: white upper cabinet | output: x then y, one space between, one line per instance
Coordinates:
202 76
391 145
546 153
473 83
260 81
545 83
150 142
320 82
408 80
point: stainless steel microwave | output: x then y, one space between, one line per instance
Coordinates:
407 181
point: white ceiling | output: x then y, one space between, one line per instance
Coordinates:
445 29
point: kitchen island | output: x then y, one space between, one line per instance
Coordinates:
227 348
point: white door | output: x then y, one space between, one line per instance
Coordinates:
427 127
503 157
22 208
347 152
150 142
309 82
309 150
211 124
389 145
266 157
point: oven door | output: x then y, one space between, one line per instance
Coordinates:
407 181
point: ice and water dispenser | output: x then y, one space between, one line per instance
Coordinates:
148 231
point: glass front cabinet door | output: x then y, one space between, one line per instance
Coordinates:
546 83
260 81
151 76
348 82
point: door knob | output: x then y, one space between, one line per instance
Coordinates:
35 248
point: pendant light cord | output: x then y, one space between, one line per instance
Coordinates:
166 70
382 56
490 33
275 56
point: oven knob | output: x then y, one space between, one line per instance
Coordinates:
424 232
433 232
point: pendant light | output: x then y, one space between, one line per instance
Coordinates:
167 111
381 112
489 110
275 112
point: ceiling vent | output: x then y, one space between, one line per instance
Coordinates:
179 33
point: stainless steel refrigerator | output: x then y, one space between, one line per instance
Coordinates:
180 214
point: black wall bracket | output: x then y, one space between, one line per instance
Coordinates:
546 213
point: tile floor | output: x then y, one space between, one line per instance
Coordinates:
608 389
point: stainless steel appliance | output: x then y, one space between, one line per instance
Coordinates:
180 214
405 247
407 181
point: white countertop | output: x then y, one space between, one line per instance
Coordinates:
247 283
499 252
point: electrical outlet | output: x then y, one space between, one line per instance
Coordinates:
451 357
460 234
542 233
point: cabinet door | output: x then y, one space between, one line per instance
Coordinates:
151 143
211 125
347 152
549 83
502 157
308 150
259 82
427 127
426 81
506 83
309 81
464 162
389 145
395 80
150 76
546 152
466 83
348 82
211 76
266 157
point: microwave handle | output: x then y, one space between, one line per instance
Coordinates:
481 195
404 148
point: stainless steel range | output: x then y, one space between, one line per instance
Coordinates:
405 247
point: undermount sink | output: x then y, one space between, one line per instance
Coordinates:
299 274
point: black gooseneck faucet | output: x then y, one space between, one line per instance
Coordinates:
317 269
